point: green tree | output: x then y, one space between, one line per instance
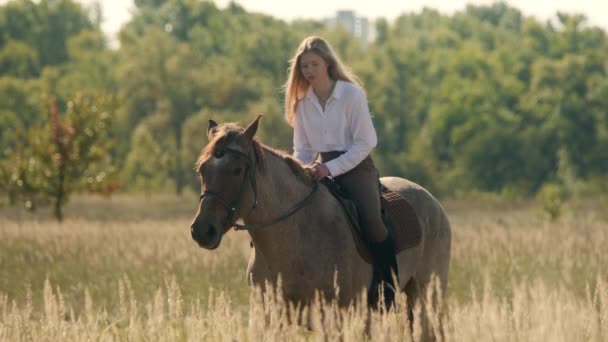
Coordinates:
91 66
44 25
18 59
19 108
66 153
158 73
148 162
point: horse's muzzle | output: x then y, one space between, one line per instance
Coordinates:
207 235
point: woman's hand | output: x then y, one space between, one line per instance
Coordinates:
320 171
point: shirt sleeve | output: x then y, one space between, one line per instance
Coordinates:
302 150
363 133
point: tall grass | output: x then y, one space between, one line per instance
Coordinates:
127 269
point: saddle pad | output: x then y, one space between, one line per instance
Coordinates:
407 231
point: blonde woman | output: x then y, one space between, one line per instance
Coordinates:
328 110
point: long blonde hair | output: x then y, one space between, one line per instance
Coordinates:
296 86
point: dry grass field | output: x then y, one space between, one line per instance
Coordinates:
126 269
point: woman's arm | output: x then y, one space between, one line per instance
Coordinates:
363 133
301 146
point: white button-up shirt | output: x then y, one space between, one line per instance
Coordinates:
344 125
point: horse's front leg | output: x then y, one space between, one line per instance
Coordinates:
258 272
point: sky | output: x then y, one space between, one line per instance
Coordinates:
117 12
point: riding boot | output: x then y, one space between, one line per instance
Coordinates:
385 264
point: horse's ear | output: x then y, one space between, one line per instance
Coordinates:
251 129
212 129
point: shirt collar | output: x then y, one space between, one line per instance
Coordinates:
337 93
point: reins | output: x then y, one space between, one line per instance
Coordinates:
232 206
292 211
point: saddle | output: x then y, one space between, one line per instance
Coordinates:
398 216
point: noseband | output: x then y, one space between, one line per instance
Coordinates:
232 206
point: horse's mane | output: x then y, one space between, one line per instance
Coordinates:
294 165
226 133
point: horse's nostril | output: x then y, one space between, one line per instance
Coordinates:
193 233
212 231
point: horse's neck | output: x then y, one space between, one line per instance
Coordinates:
279 190
317 237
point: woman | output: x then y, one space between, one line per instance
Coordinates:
328 110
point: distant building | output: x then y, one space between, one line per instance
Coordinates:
357 26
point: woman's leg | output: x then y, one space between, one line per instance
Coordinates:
361 186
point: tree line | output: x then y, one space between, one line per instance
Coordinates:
486 99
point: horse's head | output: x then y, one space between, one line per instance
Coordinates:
227 170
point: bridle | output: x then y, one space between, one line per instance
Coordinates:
232 206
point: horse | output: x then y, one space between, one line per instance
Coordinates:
298 229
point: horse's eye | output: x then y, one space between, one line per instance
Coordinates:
218 154
237 171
